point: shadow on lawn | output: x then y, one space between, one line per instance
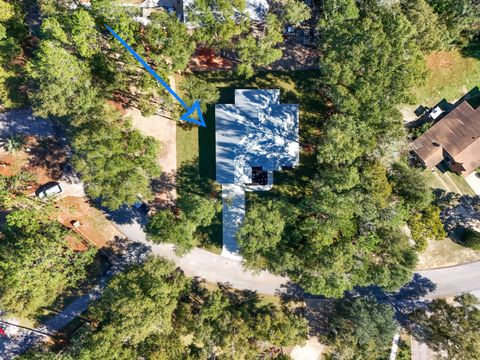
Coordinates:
300 87
472 49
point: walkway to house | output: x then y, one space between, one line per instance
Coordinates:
474 181
233 202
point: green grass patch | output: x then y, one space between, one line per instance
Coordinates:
449 182
265 299
444 253
187 144
451 75
442 178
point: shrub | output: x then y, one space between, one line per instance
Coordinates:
471 239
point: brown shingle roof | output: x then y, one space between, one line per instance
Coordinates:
457 134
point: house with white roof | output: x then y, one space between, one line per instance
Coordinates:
254 137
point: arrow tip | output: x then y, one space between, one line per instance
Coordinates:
194 110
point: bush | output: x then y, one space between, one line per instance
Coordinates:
471 239
426 225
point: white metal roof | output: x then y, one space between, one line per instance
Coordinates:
255 131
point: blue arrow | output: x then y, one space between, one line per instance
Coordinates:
195 108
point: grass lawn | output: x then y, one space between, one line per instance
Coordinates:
264 298
444 253
196 146
448 181
451 75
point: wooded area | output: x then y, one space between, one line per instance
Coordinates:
338 222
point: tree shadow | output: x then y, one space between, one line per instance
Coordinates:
472 49
51 155
317 309
190 180
404 301
123 215
206 145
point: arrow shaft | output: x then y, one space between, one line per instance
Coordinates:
147 67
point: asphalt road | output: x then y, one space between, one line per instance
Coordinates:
215 268
211 267
204 264
454 280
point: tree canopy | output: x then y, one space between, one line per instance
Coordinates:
115 161
12 36
218 21
154 311
361 328
343 227
62 82
195 212
36 262
451 329
458 18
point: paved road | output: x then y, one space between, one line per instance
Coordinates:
214 268
454 280
201 263
421 351
206 265
23 340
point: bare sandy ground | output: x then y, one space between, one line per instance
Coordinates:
311 350
165 131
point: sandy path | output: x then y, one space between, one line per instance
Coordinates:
165 131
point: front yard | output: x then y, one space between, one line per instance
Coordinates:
445 253
42 160
448 181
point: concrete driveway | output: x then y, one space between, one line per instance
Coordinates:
69 189
474 181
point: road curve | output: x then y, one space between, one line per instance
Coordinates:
215 268
208 266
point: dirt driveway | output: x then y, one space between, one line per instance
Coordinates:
93 224
165 131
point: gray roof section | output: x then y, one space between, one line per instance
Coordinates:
256 131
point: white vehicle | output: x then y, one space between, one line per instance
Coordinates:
49 189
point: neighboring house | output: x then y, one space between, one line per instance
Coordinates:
454 139
254 137
256 9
